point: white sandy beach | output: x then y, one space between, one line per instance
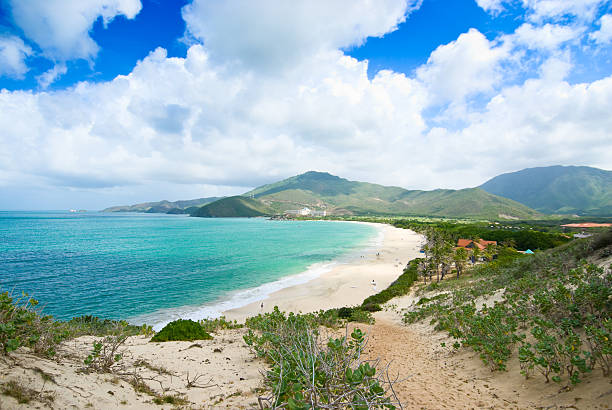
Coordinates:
346 284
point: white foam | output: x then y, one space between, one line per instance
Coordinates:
241 298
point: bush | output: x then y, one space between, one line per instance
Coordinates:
602 240
399 287
345 312
310 371
371 307
186 330
214 325
21 324
94 326
554 310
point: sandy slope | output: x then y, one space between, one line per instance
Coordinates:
226 371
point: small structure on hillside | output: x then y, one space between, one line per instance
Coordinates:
305 212
582 235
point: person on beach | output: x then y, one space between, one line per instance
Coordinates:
373 284
261 305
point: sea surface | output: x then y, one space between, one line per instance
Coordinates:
153 268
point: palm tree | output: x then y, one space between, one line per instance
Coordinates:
460 257
489 251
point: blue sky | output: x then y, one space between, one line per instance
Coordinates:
215 90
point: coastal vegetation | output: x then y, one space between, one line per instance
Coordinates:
550 311
400 287
22 323
310 368
181 330
520 236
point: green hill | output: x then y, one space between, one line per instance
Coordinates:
233 206
176 207
323 191
557 189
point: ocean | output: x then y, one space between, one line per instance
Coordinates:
154 268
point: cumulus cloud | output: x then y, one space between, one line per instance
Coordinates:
548 37
584 10
462 67
543 10
604 34
13 53
271 35
61 27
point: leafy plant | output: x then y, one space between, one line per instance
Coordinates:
106 353
214 325
311 371
181 330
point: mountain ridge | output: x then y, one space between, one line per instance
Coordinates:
339 196
162 206
557 189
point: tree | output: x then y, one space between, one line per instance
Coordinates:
460 257
475 249
489 251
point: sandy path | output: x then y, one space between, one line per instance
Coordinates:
430 381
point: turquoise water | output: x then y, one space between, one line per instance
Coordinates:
152 267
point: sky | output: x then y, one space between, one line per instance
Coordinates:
107 102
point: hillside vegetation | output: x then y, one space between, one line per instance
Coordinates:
323 191
549 311
557 189
234 206
175 207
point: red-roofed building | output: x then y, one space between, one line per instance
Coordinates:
469 244
586 225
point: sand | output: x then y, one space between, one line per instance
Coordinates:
223 371
347 284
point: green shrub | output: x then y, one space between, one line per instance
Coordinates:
401 286
602 240
345 312
214 325
187 330
94 326
309 371
371 307
554 306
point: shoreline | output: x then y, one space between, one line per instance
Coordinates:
344 284
242 298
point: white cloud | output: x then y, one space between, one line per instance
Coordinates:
584 10
491 6
13 52
49 76
547 37
462 67
604 34
270 35
61 27
543 10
